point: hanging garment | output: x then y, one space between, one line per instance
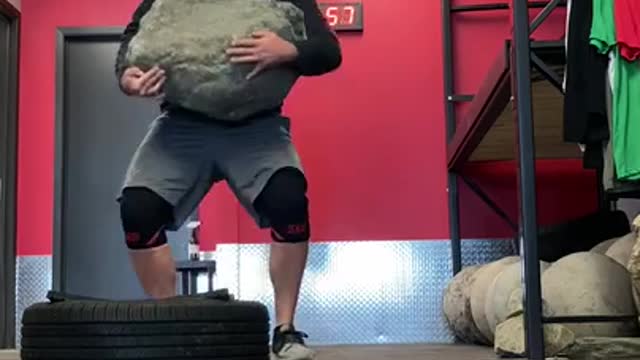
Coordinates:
626 86
608 171
585 110
566 42
627 22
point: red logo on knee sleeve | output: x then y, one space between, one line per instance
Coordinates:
297 229
132 238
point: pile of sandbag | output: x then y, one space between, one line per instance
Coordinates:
483 303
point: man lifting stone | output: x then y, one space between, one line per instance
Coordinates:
185 152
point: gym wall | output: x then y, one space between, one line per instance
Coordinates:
372 137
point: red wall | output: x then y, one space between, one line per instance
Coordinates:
371 135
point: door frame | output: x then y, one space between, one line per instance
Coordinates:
64 36
8 164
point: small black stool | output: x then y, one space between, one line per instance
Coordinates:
190 269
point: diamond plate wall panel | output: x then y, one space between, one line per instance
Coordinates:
227 274
353 292
33 280
362 292
476 252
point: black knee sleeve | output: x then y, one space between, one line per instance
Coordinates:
144 216
284 202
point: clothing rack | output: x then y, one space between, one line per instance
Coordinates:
509 80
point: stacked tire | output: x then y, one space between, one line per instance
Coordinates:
210 326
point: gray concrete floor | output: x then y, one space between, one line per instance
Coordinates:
386 352
406 352
8 355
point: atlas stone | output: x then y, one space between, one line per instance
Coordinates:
515 305
457 307
484 279
498 293
620 250
189 39
509 336
604 246
589 283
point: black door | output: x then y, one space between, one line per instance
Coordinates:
8 124
98 131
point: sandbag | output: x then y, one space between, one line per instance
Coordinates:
189 38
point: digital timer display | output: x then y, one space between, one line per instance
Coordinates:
343 16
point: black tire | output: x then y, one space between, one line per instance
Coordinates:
210 326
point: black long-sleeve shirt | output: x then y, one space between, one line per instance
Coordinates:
317 55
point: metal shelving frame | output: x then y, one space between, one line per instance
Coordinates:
522 58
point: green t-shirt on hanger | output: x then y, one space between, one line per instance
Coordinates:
626 80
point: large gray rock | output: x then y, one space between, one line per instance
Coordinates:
603 348
188 39
588 283
510 338
457 307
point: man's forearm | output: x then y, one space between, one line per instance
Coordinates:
321 52
317 56
130 31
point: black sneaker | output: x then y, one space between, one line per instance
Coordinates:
289 345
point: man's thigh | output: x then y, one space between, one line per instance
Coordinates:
250 155
173 160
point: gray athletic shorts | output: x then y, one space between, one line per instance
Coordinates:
184 154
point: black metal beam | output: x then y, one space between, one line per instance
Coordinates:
589 319
498 6
490 203
543 15
454 223
460 98
521 76
448 68
547 72
480 7
452 193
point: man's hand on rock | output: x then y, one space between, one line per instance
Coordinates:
136 82
265 49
